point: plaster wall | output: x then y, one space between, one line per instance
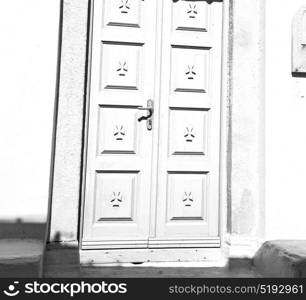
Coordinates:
246 163
28 75
244 96
28 60
66 184
285 128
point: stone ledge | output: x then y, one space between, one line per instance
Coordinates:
64 260
21 257
282 258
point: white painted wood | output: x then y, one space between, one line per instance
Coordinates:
159 188
168 243
117 187
188 171
211 257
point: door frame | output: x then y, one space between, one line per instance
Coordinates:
211 242
70 123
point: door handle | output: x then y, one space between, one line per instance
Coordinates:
149 115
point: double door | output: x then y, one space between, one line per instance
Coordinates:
153 129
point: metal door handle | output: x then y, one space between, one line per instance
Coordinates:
149 115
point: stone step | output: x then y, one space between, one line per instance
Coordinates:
21 257
286 258
65 261
281 258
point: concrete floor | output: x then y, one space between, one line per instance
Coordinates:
20 257
142 272
65 263
25 257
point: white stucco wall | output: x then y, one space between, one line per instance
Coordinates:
28 54
285 128
28 59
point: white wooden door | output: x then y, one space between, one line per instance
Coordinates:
188 164
118 170
153 188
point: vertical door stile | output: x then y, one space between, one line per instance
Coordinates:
156 120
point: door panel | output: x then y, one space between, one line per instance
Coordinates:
123 13
188 167
188 137
190 16
118 170
121 65
154 188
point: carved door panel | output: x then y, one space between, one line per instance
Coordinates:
188 164
160 187
118 170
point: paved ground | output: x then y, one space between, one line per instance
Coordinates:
23 257
65 263
20 257
136 272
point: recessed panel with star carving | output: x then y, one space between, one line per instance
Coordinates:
123 13
186 196
115 196
189 69
117 132
188 132
190 15
121 66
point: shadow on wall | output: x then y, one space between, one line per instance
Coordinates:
18 229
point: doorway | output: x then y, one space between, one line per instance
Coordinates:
153 129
